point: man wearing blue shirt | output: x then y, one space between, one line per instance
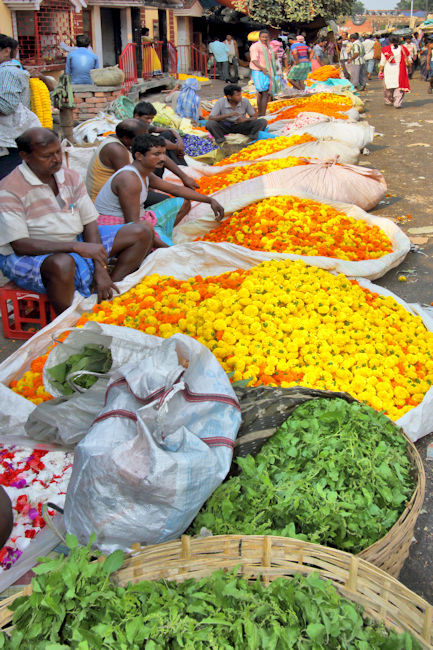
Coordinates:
80 61
221 54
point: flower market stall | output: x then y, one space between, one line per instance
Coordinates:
280 293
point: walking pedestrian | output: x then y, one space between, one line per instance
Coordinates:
413 55
429 65
233 49
221 54
299 72
263 71
369 55
356 63
393 71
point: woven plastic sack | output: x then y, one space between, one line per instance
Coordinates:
77 158
355 134
161 445
110 76
350 184
122 107
200 220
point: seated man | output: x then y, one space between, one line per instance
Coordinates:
234 114
114 153
80 61
174 146
124 193
49 238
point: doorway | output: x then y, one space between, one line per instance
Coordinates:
111 38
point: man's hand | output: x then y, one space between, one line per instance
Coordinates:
180 149
218 209
241 119
103 283
190 182
95 252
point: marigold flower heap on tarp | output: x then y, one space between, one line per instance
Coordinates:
323 73
210 184
288 224
286 323
264 148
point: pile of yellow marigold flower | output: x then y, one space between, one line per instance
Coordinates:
264 148
286 323
288 224
210 184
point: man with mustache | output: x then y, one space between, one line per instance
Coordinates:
49 238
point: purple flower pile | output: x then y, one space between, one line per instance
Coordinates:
197 146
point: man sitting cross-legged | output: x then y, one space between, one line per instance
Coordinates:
124 194
234 114
49 238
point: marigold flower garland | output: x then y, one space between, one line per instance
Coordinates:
264 148
286 323
210 184
288 224
40 102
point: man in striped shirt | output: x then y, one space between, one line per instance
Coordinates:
49 238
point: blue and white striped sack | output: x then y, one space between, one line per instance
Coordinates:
157 450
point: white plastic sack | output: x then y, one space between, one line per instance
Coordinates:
372 269
66 420
92 130
326 180
356 134
182 261
77 158
158 449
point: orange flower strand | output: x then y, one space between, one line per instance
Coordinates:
288 224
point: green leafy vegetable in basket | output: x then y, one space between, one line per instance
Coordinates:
93 358
334 473
75 605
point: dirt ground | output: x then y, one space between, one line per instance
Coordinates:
404 153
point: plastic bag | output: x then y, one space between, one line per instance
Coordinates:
243 194
356 134
158 449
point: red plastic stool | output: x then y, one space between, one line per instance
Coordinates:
23 312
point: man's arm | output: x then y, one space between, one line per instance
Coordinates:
185 193
175 169
11 90
127 186
103 282
114 155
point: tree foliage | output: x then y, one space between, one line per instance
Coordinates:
358 7
418 5
279 12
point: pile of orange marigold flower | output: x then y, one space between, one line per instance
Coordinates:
210 184
323 73
264 148
288 224
286 323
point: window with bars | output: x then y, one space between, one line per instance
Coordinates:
40 32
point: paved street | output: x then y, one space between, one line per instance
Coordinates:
405 154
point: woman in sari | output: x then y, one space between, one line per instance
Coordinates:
393 71
263 71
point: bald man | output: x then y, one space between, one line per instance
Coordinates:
49 238
114 153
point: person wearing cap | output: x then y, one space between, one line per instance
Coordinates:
302 66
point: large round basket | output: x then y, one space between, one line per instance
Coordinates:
390 552
381 595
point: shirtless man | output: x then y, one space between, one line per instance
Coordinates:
124 193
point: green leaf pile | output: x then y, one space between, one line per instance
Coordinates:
334 473
75 605
93 358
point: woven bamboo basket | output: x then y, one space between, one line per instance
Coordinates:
381 595
390 552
